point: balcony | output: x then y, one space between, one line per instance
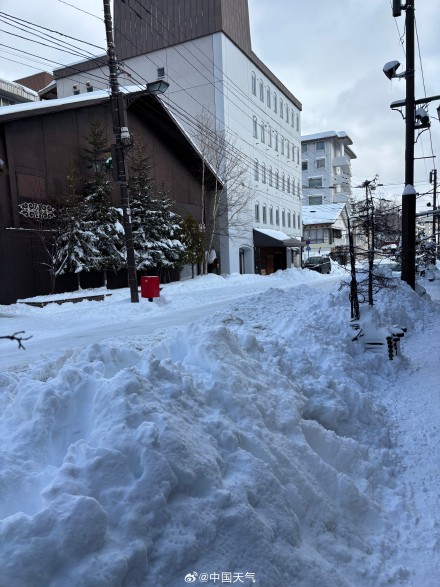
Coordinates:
343 162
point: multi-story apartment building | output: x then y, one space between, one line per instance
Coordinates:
203 50
326 168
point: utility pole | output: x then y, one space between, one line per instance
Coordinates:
433 180
409 195
123 139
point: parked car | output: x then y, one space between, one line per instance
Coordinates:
321 264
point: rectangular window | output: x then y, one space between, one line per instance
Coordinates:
160 72
275 103
282 145
254 84
257 213
292 118
315 200
256 170
255 126
304 147
277 217
320 146
264 214
294 220
268 96
283 218
304 165
261 91
320 163
262 133
271 215
315 182
281 108
288 220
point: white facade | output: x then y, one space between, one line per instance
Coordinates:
211 75
326 168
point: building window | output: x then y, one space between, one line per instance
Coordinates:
268 94
315 200
262 133
320 146
263 173
288 148
297 156
277 180
288 219
315 182
292 118
275 103
283 218
320 163
269 136
255 126
271 215
277 217
304 147
261 91
282 145
304 165
276 141
297 126
264 214
160 72
257 212
293 220
287 113
254 83
270 177
288 184
281 108
256 169
283 183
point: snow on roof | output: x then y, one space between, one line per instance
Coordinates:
330 134
276 234
34 107
322 214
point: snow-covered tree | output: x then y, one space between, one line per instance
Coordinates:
156 228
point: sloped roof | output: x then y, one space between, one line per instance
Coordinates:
322 214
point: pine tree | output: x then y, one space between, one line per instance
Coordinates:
100 218
156 228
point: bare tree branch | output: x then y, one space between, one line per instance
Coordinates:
17 338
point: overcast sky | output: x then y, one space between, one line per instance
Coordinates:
329 54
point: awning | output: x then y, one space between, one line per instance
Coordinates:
266 237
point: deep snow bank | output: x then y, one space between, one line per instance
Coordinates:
243 448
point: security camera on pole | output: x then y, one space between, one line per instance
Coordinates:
415 119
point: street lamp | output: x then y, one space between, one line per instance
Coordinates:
157 87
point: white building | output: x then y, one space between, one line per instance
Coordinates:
206 56
325 226
326 168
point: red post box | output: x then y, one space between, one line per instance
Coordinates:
150 287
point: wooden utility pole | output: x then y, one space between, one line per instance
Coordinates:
123 140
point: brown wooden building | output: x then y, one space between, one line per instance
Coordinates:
40 142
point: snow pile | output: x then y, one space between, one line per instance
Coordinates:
245 447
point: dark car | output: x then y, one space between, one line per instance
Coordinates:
321 264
